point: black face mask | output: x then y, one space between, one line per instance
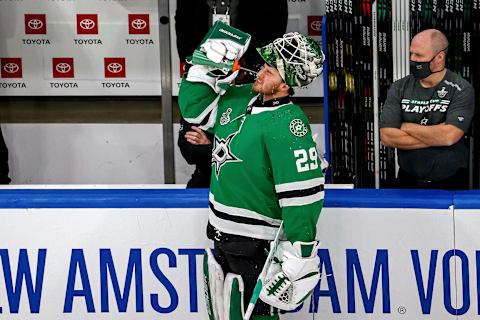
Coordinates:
421 70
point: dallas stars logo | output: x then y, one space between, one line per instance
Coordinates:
298 128
222 154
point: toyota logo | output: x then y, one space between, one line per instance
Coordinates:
35 24
11 67
115 67
139 24
63 67
316 25
87 24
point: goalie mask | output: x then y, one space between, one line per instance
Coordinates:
298 58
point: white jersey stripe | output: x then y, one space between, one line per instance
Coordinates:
205 112
257 110
299 185
253 100
241 212
211 121
247 230
301 201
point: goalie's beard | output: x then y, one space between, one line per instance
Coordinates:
268 92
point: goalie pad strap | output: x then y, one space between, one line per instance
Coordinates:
224 295
233 297
213 286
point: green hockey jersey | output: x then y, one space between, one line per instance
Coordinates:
265 165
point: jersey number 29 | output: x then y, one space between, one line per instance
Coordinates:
306 161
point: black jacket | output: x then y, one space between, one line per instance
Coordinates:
194 154
198 155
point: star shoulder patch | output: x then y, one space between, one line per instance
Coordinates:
298 128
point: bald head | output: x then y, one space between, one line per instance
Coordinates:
432 38
428 56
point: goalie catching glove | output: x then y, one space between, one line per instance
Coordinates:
293 274
215 58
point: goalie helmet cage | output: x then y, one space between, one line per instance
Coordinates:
364 56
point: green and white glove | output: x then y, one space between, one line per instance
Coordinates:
221 46
293 274
208 75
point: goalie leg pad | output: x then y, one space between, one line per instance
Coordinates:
213 282
233 306
233 297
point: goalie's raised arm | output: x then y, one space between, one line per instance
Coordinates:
211 73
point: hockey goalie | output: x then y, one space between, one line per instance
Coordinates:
267 175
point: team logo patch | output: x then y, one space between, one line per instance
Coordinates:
442 93
225 118
460 119
298 128
222 153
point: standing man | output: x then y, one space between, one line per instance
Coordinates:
426 116
191 24
265 169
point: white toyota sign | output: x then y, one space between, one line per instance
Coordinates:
99 47
88 47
